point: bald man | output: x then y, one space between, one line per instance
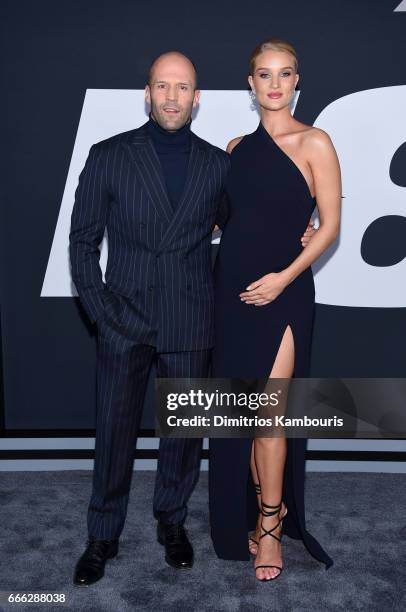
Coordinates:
156 189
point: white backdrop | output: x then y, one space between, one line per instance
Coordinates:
364 146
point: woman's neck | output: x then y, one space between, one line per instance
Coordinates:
278 121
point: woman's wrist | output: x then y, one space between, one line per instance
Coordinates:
286 276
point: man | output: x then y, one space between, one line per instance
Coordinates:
157 190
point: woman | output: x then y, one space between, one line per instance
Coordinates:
264 307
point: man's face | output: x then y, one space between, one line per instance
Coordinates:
171 92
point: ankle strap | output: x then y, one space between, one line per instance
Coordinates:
257 488
265 512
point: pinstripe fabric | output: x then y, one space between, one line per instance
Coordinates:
159 260
178 460
122 373
156 303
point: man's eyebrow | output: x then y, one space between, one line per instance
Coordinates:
179 83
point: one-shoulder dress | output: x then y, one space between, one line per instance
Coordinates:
269 207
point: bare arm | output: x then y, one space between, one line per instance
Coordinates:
327 179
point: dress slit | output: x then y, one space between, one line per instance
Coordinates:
279 344
248 339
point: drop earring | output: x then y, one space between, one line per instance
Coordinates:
253 97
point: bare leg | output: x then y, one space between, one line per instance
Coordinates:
252 541
270 456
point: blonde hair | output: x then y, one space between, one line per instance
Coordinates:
274 44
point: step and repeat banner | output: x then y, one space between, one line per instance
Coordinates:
74 73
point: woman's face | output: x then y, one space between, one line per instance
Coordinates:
274 79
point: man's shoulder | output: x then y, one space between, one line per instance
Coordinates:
216 152
121 138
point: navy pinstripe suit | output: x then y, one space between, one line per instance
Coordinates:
156 303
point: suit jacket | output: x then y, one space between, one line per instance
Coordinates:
158 286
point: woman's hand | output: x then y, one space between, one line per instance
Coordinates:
308 235
264 290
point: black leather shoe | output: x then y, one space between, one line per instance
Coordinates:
90 567
178 549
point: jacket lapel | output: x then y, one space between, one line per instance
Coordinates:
149 172
195 180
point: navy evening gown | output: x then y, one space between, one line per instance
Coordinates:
269 207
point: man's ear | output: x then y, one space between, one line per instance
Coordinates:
147 94
196 98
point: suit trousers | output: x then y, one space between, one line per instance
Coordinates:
123 368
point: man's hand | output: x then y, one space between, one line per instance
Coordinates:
308 235
264 290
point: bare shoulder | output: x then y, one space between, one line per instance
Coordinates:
317 142
233 143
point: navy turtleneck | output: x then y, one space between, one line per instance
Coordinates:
173 149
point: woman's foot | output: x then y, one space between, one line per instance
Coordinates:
255 535
268 562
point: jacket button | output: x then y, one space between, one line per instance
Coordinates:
151 287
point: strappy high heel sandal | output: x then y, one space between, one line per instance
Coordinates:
268 532
251 539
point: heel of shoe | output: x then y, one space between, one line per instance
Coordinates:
257 488
268 510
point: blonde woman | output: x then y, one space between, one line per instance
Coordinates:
264 300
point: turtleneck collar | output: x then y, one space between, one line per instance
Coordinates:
163 138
